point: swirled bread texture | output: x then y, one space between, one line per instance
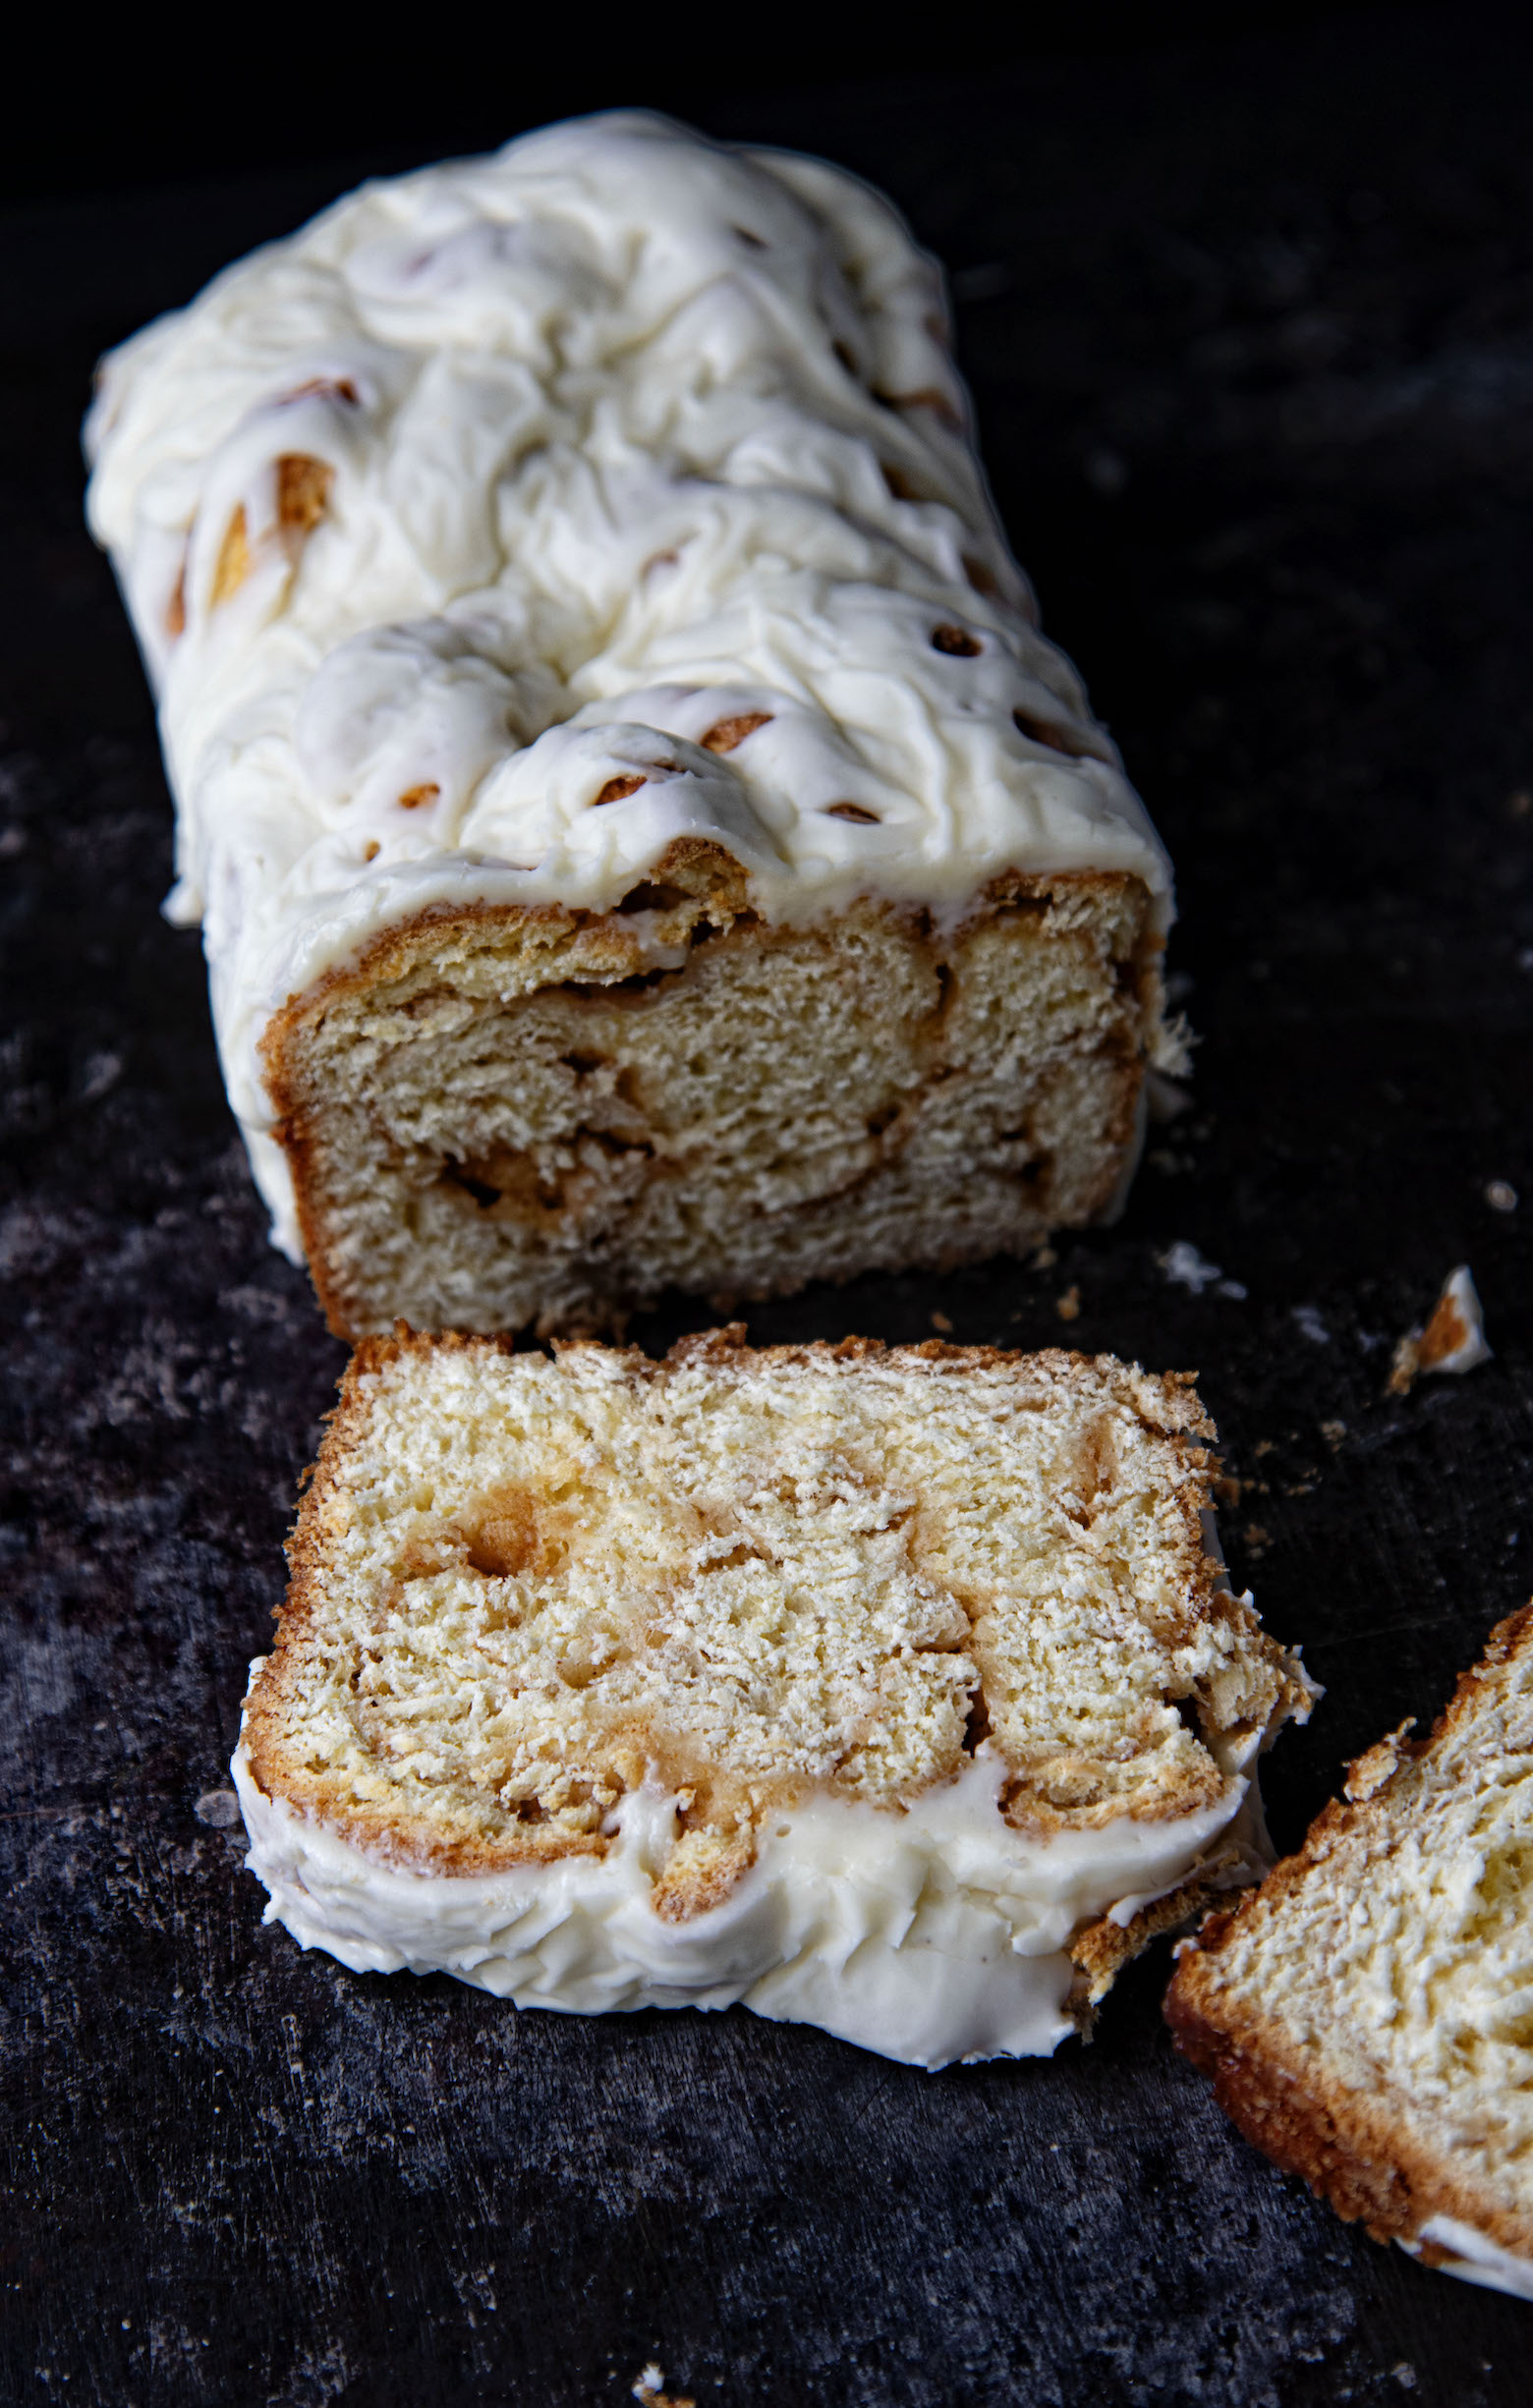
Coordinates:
550 566
894 1692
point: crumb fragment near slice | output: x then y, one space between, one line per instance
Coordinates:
719 1657
1453 1339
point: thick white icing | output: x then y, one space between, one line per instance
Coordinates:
1474 2257
928 1935
627 433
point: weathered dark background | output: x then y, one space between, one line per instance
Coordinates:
1251 328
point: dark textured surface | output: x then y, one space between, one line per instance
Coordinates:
1252 334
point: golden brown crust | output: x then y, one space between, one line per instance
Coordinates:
608 944
1103 1948
1357 2150
303 498
303 491
233 565
695 889
1303 2127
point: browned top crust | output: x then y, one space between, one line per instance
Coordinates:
711 890
695 888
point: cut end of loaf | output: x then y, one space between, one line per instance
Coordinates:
511 1117
1365 2016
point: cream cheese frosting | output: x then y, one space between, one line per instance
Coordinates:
1473 2256
926 1935
501 486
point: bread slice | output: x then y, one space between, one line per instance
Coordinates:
894 1691
510 1116
640 836
1367 2016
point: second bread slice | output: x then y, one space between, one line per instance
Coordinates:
1368 2016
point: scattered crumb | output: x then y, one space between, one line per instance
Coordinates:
1255 1537
1333 1433
1298 1488
1045 1259
1453 1339
1168 1101
1404 1363
1068 1306
1501 1196
940 1321
1170 1054
1308 1319
1185 1268
649 2391
1374 1766
1227 1490
1264 1446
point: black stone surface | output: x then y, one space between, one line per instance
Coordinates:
1251 329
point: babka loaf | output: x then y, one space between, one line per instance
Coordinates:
1367 2016
639 835
895 1692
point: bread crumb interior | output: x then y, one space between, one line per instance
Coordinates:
545 1118
523 1584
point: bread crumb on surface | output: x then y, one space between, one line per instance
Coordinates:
1453 1339
648 2388
1068 1306
1185 1268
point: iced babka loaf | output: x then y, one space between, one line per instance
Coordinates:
892 1692
639 833
1368 2016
